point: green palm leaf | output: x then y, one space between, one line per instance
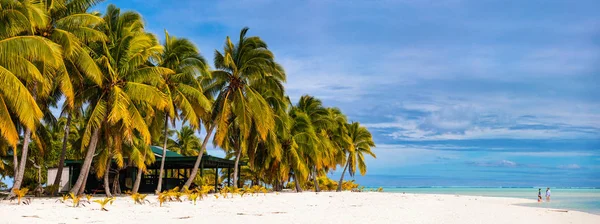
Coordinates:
18 99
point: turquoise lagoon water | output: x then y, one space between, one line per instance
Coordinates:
579 199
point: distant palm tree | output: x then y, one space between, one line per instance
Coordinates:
140 155
186 142
361 144
339 138
182 88
129 90
322 153
300 142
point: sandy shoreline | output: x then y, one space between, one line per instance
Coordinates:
308 207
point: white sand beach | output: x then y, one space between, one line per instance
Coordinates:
308 207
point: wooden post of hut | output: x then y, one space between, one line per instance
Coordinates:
229 177
202 170
239 174
216 178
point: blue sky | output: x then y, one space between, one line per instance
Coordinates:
477 93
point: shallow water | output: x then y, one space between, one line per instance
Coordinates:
585 200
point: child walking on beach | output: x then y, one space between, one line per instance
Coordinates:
547 194
539 195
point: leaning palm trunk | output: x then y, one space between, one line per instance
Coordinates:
63 153
298 188
87 162
82 188
317 188
276 185
21 170
199 158
164 156
107 177
339 189
136 185
138 178
15 162
235 168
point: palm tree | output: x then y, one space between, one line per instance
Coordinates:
300 142
140 155
361 144
322 155
339 138
73 28
265 155
239 108
186 142
210 87
338 135
129 88
64 23
144 157
184 91
28 63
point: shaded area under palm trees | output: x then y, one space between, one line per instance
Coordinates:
177 169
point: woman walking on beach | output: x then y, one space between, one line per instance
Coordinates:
548 194
539 195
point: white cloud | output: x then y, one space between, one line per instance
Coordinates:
559 61
396 155
570 166
482 116
322 79
421 106
508 163
489 133
501 163
552 154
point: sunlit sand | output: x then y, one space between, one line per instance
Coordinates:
308 207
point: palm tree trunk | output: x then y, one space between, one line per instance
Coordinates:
136 184
118 190
164 155
87 162
235 168
339 189
317 188
199 158
15 162
298 188
107 176
21 171
138 178
116 185
63 153
81 190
